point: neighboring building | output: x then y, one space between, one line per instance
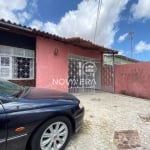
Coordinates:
118 59
35 58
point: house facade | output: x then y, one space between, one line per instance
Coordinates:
34 58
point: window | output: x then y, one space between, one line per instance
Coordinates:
5 67
23 67
17 64
5 61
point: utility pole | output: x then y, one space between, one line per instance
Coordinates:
97 18
131 34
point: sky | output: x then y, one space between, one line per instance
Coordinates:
113 21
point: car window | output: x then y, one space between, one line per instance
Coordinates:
8 88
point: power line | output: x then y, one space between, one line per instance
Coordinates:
98 13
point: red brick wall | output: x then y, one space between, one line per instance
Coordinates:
133 79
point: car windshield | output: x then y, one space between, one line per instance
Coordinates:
8 88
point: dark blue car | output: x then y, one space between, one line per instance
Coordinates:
36 118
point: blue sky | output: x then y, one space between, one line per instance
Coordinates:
77 18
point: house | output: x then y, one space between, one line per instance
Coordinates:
118 59
34 58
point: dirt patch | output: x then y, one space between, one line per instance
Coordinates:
145 118
87 125
96 99
127 139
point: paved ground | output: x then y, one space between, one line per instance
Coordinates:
113 122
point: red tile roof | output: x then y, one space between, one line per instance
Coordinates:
76 41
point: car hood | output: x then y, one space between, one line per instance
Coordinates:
41 93
37 98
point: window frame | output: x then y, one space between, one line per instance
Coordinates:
6 67
12 53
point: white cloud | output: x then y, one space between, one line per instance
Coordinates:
8 15
14 10
36 24
34 4
122 37
48 27
141 9
23 16
121 52
82 22
13 4
142 46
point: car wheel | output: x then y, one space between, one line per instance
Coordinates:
52 135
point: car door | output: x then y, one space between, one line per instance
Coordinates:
3 128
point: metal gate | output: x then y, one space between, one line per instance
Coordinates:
108 75
84 74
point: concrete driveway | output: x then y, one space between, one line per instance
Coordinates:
113 122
